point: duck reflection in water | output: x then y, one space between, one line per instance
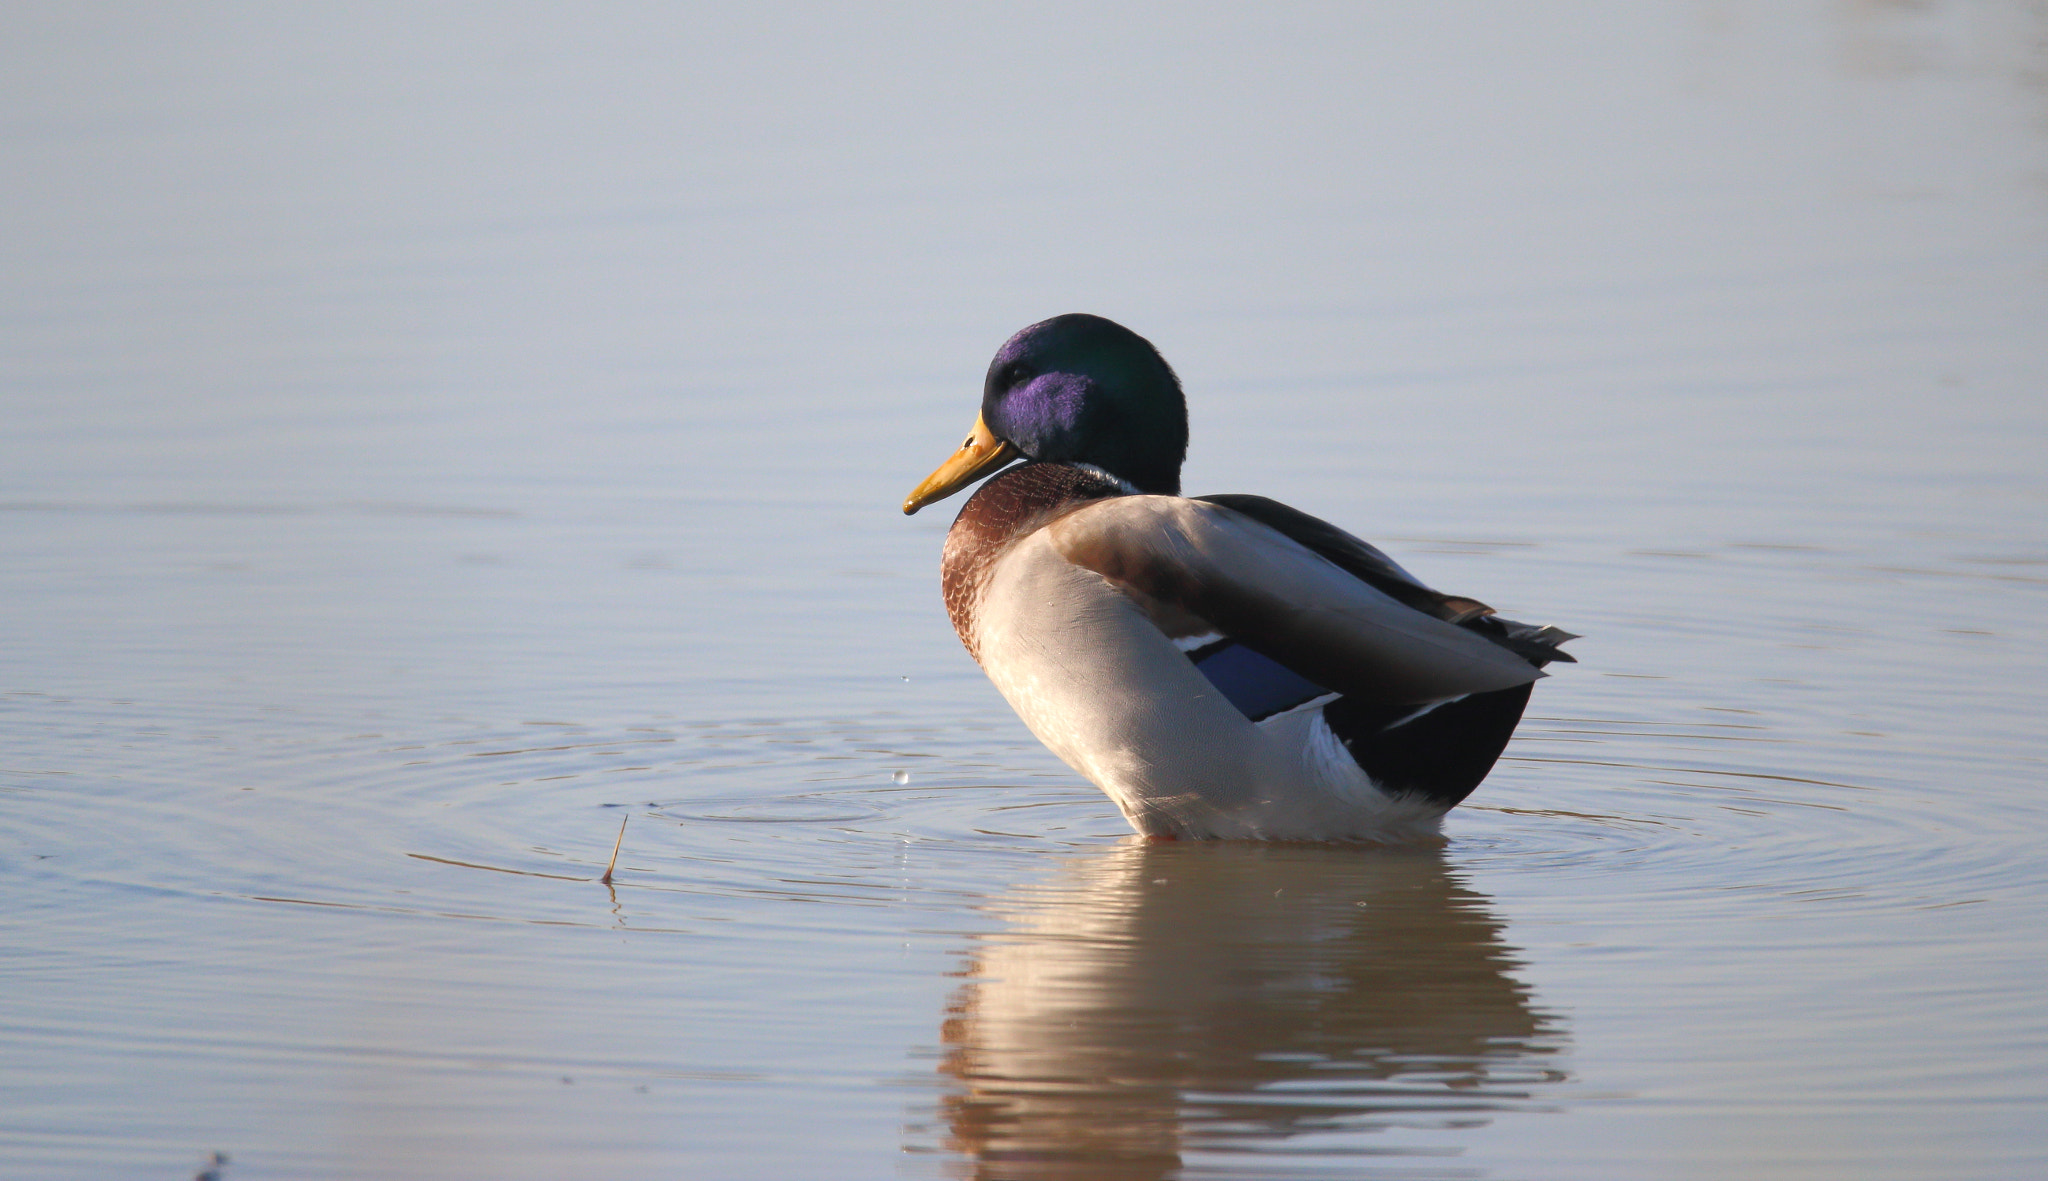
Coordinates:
1163 1000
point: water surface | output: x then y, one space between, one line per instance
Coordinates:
432 439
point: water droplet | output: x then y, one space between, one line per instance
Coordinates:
901 778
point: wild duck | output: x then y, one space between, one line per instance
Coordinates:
1221 666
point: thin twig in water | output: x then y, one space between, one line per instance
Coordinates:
607 878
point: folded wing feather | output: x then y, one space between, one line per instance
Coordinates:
1535 644
1282 600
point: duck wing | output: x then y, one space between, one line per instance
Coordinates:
1537 644
1285 600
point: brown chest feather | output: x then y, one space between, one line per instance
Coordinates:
1003 511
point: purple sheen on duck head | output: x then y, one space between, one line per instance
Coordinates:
1083 389
1048 410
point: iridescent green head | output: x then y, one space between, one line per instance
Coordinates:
1082 389
1074 389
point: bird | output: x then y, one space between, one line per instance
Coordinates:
1223 667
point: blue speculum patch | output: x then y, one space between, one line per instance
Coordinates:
1257 686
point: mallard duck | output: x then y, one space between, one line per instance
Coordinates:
1220 666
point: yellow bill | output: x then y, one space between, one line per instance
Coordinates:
981 454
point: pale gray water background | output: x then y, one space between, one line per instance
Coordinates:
431 435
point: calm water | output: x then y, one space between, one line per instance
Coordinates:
431 439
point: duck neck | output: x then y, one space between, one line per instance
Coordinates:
1009 507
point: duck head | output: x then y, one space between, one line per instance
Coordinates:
1073 389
